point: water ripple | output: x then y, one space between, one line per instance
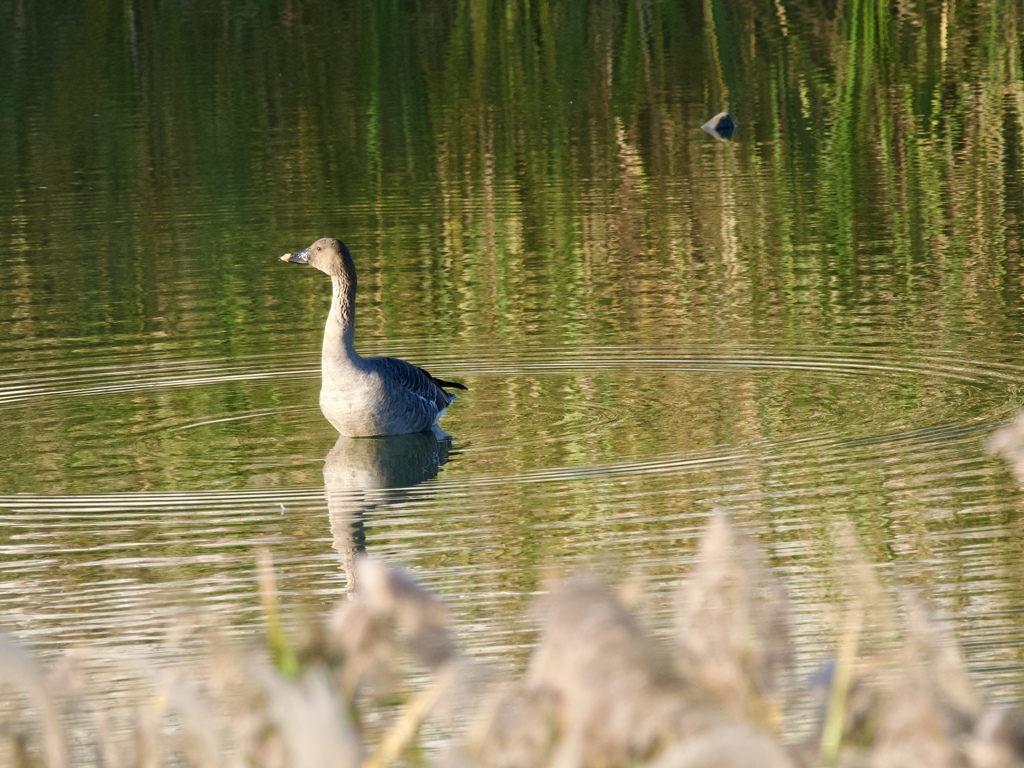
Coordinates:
561 454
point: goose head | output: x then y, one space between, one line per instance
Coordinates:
328 255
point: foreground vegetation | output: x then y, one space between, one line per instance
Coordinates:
599 690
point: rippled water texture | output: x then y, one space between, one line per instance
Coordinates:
816 322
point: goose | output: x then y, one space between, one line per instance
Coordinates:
366 396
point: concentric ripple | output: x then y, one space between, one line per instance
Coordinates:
153 483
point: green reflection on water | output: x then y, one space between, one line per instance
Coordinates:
496 165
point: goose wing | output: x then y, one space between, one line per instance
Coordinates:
417 381
441 382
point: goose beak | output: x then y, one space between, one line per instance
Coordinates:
298 257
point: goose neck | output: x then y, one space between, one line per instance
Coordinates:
339 336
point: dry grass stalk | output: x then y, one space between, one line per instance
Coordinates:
837 716
599 691
406 728
284 655
726 746
928 706
517 727
18 668
732 625
390 614
1009 442
619 696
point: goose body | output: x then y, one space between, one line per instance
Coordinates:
366 396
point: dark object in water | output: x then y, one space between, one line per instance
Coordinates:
721 126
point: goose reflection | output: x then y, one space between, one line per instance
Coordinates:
362 474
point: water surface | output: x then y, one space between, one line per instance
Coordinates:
818 321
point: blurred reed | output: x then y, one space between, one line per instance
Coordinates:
381 681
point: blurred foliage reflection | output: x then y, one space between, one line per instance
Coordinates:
519 169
